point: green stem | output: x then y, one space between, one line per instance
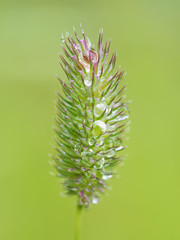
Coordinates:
78 222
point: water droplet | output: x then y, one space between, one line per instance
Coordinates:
99 109
91 141
76 148
87 82
99 128
114 112
88 43
95 200
62 38
111 153
97 173
112 127
122 118
51 163
98 92
89 100
78 48
108 109
99 164
105 177
100 141
86 154
87 174
119 148
78 119
58 167
108 142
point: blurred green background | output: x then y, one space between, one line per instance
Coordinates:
145 201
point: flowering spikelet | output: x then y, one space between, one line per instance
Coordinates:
90 118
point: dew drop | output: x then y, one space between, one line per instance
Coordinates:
62 38
105 177
95 200
52 173
76 147
108 109
119 148
78 48
122 118
111 153
100 164
99 142
111 128
88 82
88 43
108 142
87 174
97 93
91 141
89 100
99 109
86 154
99 128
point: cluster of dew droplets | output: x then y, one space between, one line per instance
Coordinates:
93 157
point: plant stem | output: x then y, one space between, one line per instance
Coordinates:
78 222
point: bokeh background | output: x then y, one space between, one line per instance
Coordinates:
145 201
